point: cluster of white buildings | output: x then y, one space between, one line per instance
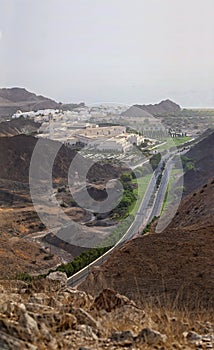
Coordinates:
85 113
91 136
79 127
106 139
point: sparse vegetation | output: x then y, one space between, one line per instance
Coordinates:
129 198
23 276
155 160
119 231
149 225
188 163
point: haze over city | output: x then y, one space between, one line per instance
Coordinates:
119 51
107 174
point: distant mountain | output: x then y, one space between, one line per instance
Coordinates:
160 109
136 111
13 99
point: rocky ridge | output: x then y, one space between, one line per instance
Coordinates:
16 98
47 314
16 153
163 108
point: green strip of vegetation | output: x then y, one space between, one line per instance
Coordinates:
82 261
188 163
89 256
118 232
142 182
173 142
128 200
169 196
181 140
128 207
148 226
165 199
72 267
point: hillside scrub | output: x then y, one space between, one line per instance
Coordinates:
129 198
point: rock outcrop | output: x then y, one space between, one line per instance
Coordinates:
164 108
160 109
70 319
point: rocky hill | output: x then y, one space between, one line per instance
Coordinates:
136 111
16 153
18 218
13 99
201 160
163 108
18 126
47 315
176 264
15 157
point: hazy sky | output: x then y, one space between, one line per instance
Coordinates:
127 51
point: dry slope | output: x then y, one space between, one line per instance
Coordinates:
175 263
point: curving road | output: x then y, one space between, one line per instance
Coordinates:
144 216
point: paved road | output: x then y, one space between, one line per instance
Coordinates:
144 215
139 164
160 195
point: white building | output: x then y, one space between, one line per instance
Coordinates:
114 145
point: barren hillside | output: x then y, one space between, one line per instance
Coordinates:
14 99
15 157
18 256
202 158
18 126
160 109
18 217
177 263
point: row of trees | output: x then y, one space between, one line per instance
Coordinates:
82 260
128 199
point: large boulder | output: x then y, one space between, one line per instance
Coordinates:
59 279
109 300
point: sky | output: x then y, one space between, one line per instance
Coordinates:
100 51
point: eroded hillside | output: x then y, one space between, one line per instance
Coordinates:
176 263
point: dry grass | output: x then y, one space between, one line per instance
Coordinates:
165 316
174 320
169 320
